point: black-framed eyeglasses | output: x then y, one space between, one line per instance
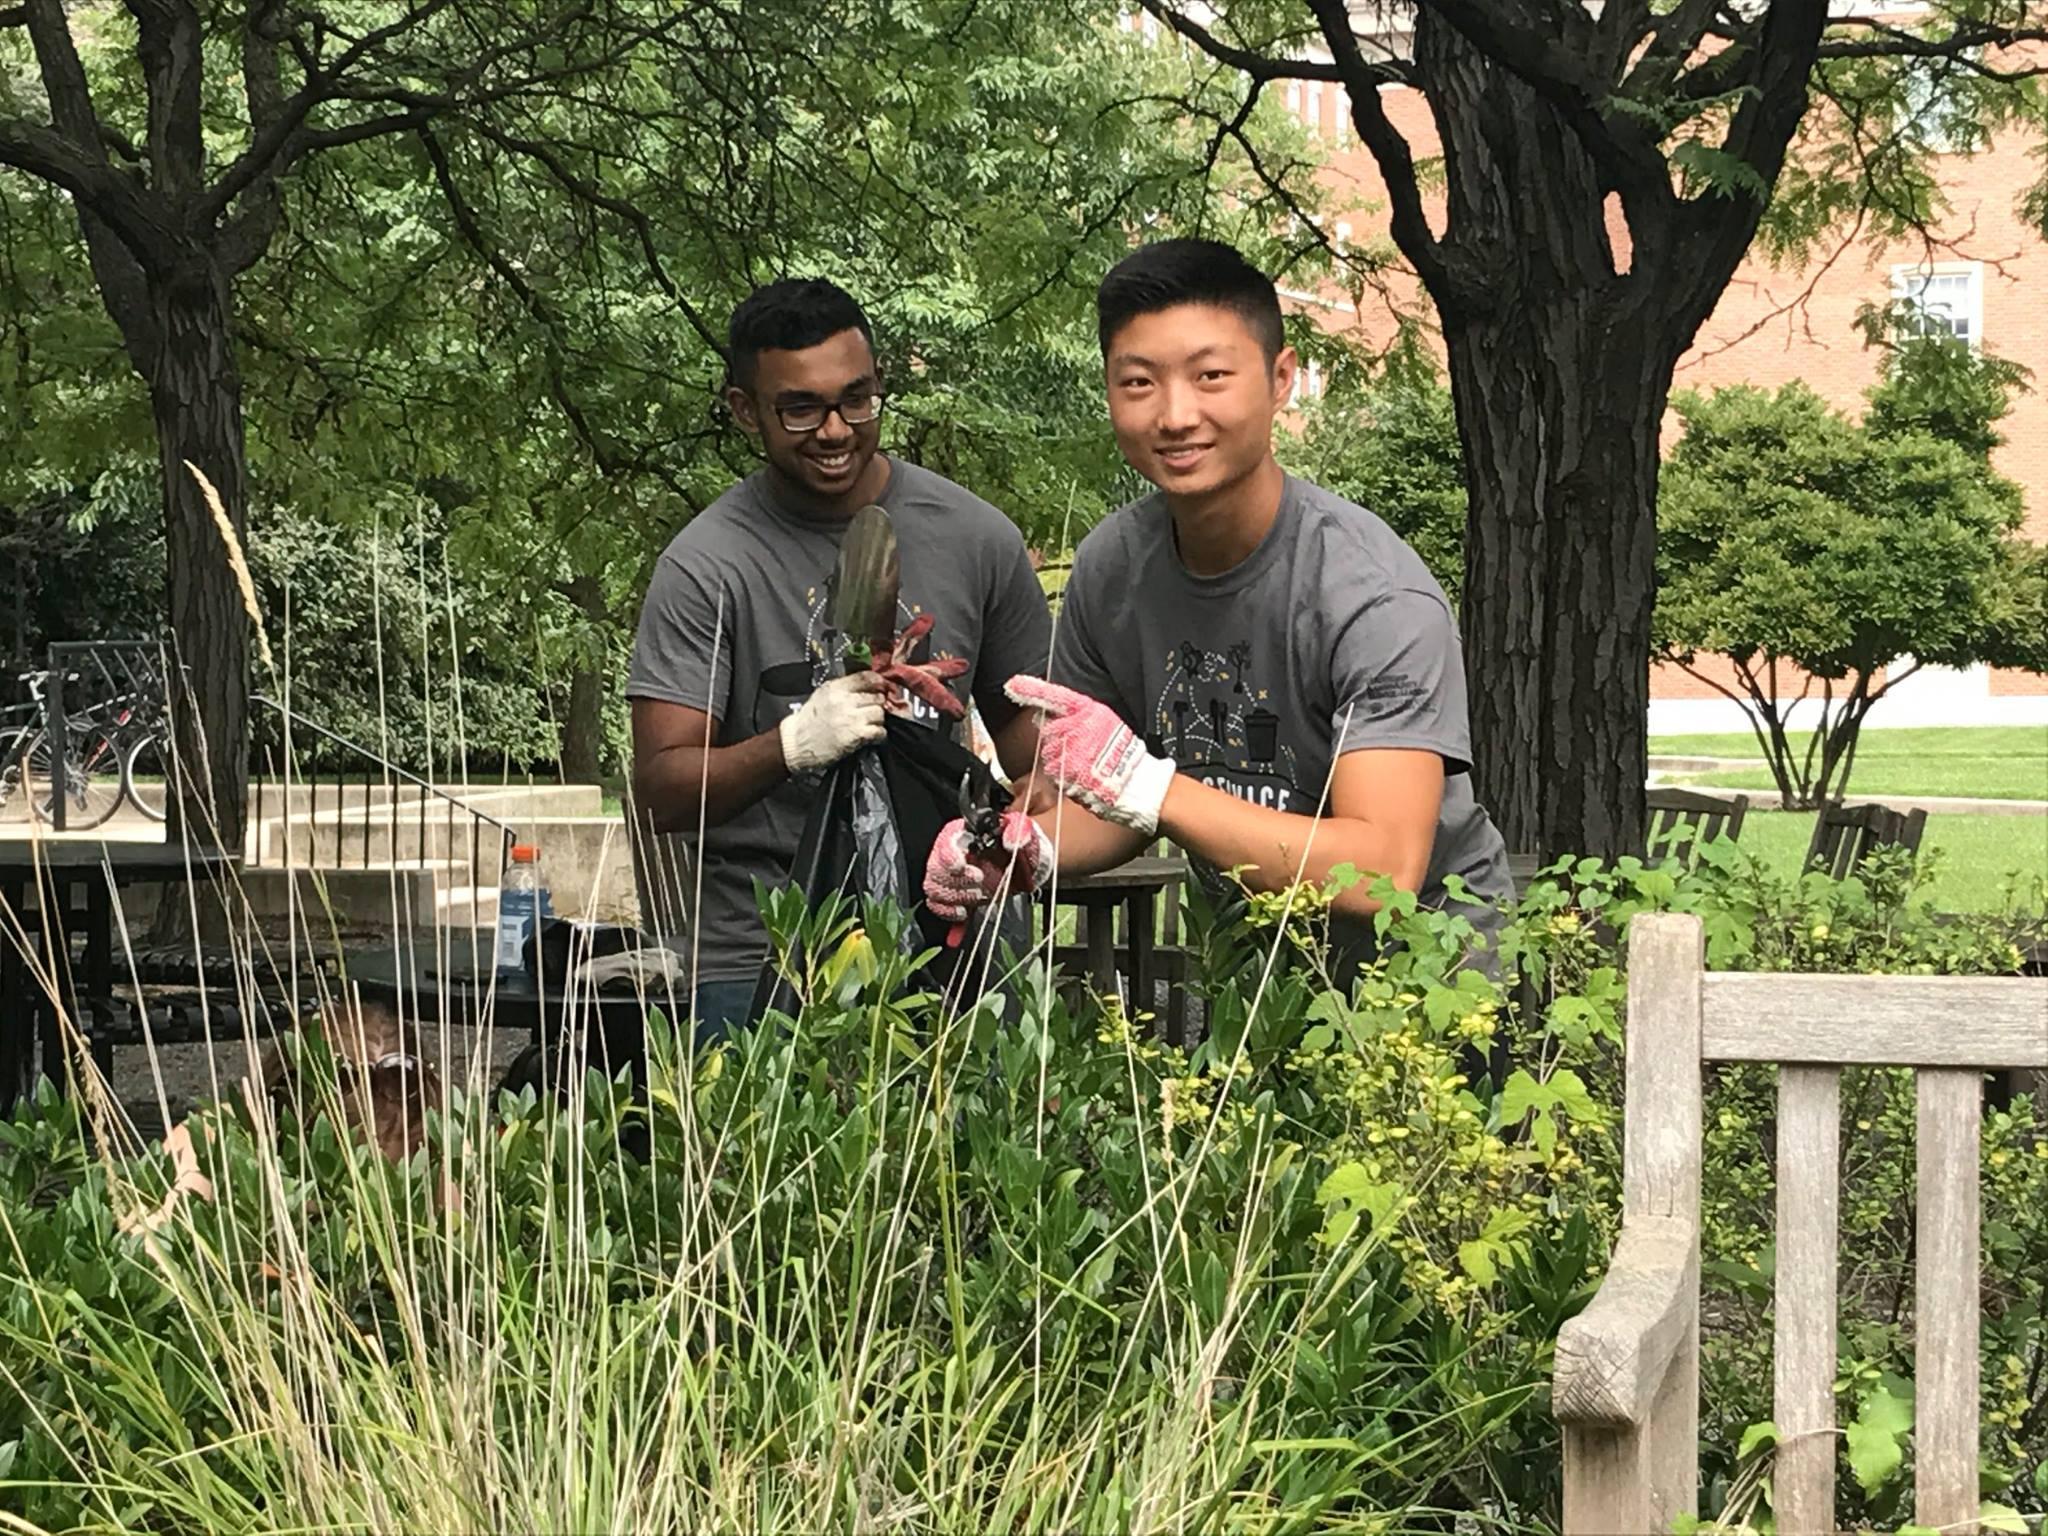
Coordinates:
809 415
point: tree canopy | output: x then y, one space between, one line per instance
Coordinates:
473 264
1795 541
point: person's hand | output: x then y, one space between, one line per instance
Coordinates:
840 716
1086 749
957 880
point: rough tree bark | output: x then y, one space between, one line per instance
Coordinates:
195 391
1560 381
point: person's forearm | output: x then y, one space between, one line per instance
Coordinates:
684 787
1273 849
1085 844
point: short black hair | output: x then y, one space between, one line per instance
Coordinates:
1172 272
788 315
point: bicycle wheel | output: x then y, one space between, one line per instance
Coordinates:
90 775
144 777
13 793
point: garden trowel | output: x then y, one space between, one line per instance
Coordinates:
864 587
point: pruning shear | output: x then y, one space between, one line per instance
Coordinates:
983 819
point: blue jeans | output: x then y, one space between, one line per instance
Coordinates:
719 1006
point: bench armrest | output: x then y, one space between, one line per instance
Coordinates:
1612 1357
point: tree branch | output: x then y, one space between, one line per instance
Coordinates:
1259 66
278 144
169 48
1716 229
1556 68
1895 43
596 197
1408 223
14 16
1677 37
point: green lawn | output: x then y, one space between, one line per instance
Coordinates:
1976 852
2004 762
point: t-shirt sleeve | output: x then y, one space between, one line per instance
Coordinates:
682 653
1400 680
1078 659
1016 629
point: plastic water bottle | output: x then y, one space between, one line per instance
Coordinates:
523 902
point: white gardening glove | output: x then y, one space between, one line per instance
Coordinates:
840 717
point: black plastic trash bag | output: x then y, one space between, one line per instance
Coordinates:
869 834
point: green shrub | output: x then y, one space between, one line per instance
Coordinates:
891 1264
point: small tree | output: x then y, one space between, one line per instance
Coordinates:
1792 539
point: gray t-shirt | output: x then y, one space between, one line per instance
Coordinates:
735 624
1329 637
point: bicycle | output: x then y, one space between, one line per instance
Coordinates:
89 766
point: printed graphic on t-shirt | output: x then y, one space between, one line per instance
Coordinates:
785 685
1215 721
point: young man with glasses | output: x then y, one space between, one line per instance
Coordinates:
1247 663
740 697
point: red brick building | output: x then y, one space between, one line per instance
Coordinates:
1985 277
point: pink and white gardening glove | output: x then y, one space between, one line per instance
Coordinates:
957 881
1086 749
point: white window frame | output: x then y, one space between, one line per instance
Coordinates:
1907 276
1314 107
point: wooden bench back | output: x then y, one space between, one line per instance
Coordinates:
1709 817
1843 834
1627 1378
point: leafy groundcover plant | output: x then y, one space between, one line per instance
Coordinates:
890 1265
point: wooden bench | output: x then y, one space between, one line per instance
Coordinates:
1706 816
1145 893
1626 1389
1844 834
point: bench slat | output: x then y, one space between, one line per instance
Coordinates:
1986 1022
1803 1349
1945 1298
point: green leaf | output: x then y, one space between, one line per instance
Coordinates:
1765 1433
1571 1095
1718 171
1328 1007
1476 1259
1507 1223
1874 1439
1519 1095
1346 1182
2001 1517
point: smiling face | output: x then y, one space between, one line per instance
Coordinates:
1192 398
834 468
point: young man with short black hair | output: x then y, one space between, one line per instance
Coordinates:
1245 662
740 697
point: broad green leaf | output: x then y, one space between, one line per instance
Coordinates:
1346 1182
1572 1096
1765 1433
1519 1095
1476 1259
1875 1439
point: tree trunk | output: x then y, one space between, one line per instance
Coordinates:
583 729
195 390
1561 345
1559 420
